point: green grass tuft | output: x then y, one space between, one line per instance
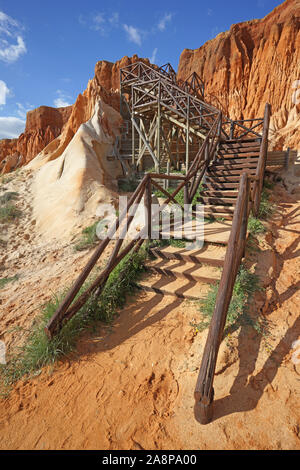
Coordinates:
6 280
266 208
128 185
245 286
8 196
255 226
88 238
39 351
179 198
9 213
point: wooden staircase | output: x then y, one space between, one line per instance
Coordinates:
221 180
182 272
233 165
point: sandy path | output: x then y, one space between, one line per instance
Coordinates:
131 386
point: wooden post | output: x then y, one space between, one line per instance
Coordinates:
187 137
140 150
287 158
158 129
132 142
231 130
177 150
260 170
148 208
204 386
186 193
132 131
168 172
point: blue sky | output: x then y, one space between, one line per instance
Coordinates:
48 49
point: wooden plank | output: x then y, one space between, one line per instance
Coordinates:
61 310
204 385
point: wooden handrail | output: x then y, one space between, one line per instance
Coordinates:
261 166
204 391
65 310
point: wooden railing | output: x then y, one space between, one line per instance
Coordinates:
239 130
204 392
248 198
68 308
260 170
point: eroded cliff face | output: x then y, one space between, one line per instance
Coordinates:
105 86
52 129
43 124
253 63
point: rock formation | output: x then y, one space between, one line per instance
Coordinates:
72 173
253 63
43 124
69 186
9 156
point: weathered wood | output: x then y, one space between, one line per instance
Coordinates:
58 315
204 385
168 195
165 176
262 159
148 206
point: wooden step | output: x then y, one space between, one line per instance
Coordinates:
234 166
240 141
219 215
215 208
186 270
215 171
219 194
209 254
221 186
239 148
217 201
221 179
236 155
236 161
213 233
180 288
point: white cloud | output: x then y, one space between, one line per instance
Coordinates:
62 100
4 92
153 57
163 22
114 19
99 23
23 110
133 34
61 103
11 127
12 44
11 52
209 12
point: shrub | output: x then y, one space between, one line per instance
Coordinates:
9 212
245 285
39 351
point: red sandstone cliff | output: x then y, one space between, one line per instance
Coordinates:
43 124
104 85
253 63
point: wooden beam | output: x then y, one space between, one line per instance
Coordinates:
145 141
183 126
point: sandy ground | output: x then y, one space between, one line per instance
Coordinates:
131 385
